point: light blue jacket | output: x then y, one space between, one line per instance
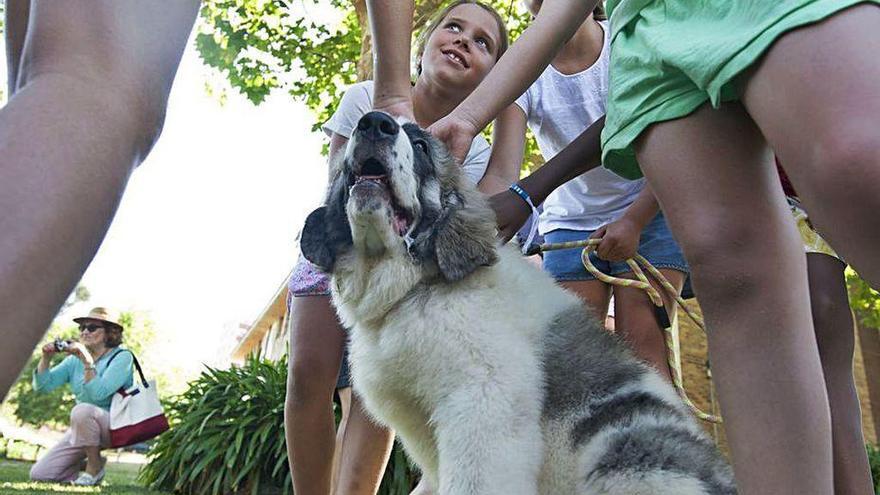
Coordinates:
100 390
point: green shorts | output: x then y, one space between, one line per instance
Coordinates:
668 57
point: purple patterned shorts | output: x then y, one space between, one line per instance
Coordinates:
308 280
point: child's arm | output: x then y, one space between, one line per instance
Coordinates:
517 69
620 239
391 27
508 147
581 155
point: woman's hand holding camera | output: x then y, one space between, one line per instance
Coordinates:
70 347
80 351
49 349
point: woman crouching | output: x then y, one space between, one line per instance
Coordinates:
93 379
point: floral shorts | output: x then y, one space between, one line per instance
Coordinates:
308 280
813 241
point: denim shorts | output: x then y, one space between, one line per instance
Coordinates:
656 245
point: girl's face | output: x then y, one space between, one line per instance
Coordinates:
463 48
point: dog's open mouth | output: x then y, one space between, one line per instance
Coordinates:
373 174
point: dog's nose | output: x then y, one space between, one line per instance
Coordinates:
378 125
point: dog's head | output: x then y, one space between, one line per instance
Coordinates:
396 191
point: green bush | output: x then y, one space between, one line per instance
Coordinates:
227 436
874 460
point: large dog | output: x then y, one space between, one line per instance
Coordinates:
497 380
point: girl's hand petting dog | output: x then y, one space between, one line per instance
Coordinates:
620 240
511 213
401 107
456 133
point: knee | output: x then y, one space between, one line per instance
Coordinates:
310 381
834 329
81 414
851 142
716 254
843 163
40 472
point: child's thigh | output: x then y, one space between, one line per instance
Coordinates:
829 71
713 175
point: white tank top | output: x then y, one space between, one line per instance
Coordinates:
558 108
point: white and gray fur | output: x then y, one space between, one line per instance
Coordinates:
497 380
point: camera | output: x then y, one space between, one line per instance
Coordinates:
61 345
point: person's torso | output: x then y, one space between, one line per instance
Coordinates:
77 377
560 108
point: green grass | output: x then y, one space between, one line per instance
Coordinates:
121 480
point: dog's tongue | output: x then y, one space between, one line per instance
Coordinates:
400 224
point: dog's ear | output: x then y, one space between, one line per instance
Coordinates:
326 233
313 241
464 235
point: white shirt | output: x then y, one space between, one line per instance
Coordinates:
559 108
358 100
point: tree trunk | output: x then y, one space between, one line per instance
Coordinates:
425 10
365 62
869 338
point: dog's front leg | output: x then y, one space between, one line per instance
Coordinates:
488 443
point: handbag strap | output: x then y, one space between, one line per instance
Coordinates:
136 365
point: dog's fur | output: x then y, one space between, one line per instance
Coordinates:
497 380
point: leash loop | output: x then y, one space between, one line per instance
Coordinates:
636 264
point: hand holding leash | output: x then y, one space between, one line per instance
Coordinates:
619 240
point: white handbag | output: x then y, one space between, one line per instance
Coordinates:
136 413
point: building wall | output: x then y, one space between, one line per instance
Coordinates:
694 355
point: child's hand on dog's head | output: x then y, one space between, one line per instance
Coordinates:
456 133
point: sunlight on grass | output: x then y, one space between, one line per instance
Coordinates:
121 480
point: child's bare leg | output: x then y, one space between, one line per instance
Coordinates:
366 446
636 321
713 176
594 293
93 81
823 126
836 338
316 347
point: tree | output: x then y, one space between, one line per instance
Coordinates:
260 46
864 301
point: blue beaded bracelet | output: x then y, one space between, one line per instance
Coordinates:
535 214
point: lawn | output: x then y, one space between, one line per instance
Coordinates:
121 480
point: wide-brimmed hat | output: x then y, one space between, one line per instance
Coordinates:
102 315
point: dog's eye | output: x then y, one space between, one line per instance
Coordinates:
421 146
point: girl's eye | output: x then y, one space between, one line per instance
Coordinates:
454 27
482 42
421 146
